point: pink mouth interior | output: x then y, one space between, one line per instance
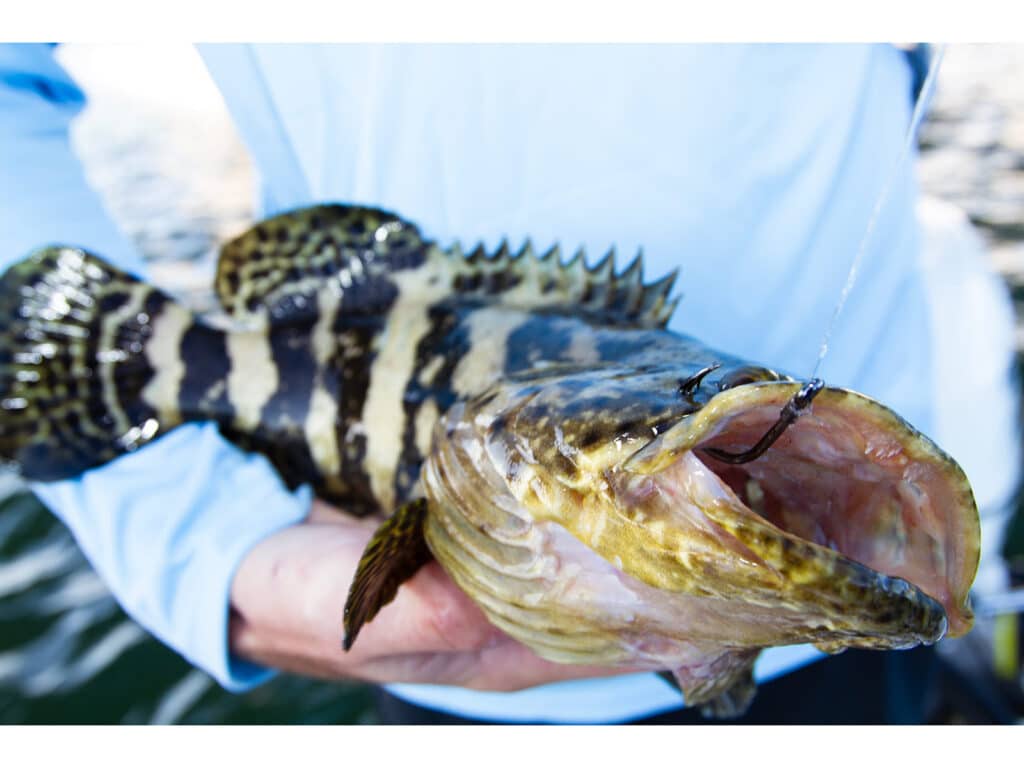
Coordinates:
839 480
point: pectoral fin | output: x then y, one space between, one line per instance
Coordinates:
393 556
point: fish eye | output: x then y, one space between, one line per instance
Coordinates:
748 374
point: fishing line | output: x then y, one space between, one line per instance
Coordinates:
851 278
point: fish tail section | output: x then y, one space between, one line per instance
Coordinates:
75 363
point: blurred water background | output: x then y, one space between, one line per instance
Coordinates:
157 142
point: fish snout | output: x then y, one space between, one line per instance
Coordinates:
894 614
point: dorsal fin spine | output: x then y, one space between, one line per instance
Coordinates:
477 255
503 251
578 263
633 274
632 283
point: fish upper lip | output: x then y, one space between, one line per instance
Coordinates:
790 413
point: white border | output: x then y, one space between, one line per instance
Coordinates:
510 746
522 20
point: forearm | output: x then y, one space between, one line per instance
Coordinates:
288 599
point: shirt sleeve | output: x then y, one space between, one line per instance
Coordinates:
166 526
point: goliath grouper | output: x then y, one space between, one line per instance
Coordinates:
607 491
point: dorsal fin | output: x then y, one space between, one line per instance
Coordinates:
363 254
280 261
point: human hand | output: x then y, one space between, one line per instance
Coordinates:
288 598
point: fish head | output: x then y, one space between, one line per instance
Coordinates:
851 530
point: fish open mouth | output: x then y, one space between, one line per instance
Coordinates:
849 476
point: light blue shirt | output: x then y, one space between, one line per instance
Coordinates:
753 168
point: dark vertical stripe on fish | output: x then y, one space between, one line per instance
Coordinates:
352 362
285 412
447 338
134 371
293 357
203 390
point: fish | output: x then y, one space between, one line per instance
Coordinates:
608 491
